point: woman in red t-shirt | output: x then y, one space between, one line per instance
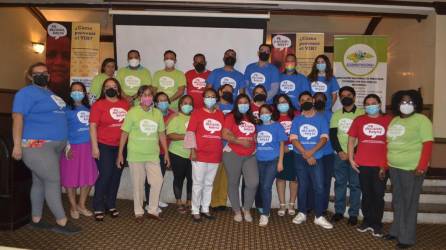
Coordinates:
106 117
368 132
238 156
259 98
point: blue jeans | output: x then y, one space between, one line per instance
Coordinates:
345 177
328 161
267 175
310 177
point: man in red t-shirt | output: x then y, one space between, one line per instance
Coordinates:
196 80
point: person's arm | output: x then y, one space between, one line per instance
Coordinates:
273 91
334 97
175 137
334 140
17 132
178 94
322 141
231 138
94 140
122 142
296 143
280 162
425 157
163 142
351 153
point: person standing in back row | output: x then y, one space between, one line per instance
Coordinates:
322 80
196 79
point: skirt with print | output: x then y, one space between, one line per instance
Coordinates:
80 170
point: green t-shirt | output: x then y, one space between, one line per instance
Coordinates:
143 128
342 121
169 82
96 85
131 80
178 125
405 138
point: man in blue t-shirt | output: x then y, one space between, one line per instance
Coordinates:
293 83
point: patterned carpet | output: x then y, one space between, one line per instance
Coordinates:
177 231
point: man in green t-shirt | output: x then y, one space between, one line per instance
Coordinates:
345 176
133 75
170 80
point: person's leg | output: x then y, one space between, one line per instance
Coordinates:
83 196
155 179
71 193
378 189
104 178
355 192
233 167
302 178
366 184
281 185
328 162
211 171
293 192
37 197
397 201
179 174
262 168
198 173
341 177
220 188
114 182
269 175
189 182
251 176
138 177
316 173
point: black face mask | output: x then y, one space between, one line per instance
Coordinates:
229 61
347 101
260 98
263 56
41 79
111 92
319 105
306 106
199 67
227 96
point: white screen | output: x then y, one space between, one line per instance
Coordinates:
152 41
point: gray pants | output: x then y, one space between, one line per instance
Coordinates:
405 198
235 166
44 165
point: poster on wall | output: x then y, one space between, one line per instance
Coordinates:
283 44
361 62
308 47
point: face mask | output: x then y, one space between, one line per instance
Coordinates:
147 101
283 107
319 105
263 56
111 92
227 96
209 102
199 67
290 67
163 106
134 62
265 118
372 109
260 98
407 109
306 106
40 79
186 108
169 63
229 61
347 101
321 67
77 96
243 108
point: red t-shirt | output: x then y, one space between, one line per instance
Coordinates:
166 118
243 130
109 117
196 84
255 110
286 121
208 130
371 135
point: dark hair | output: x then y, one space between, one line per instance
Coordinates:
265 45
160 94
29 72
85 102
230 50
212 90
320 94
133 51
142 89
224 86
182 99
276 113
107 61
259 87
269 108
347 88
304 93
414 95
102 96
295 59
314 71
238 117
198 55
376 97
171 52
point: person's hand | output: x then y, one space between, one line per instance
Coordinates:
343 156
419 172
17 153
279 167
286 149
382 173
307 154
167 160
69 154
246 143
193 155
95 153
120 161
311 161
354 166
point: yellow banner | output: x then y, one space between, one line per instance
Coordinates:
308 46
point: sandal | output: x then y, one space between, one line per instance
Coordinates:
181 209
291 210
282 210
114 213
99 216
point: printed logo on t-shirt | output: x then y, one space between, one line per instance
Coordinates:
308 131
287 86
83 116
256 114
246 128
258 78
166 82
212 125
228 80
148 127
264 137
373 130
118 114
319 86
395 131
132 81
344 124
226 111
287 126
199 82
59 101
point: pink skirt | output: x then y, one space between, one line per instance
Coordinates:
81 170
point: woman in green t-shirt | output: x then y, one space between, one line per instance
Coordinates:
181 164
108 69
409 147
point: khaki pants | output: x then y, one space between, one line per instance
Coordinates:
139 171
220 190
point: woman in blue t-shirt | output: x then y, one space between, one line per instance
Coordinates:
77 166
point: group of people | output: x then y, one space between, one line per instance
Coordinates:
216 128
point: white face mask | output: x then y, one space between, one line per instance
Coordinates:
407 109
169 63
134 62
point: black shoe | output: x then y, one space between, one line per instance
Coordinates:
196 218
352 221
337 217
68 229
377 232
41 225
208 216
389 237
364 227
403 246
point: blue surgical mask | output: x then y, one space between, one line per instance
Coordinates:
243 108
77 95
321 67
265 118
187 108
283 107
210 102
372 109
163 106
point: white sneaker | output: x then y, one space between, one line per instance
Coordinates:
300 217
247 215
238 217
263 220
158 210
321 221
162 204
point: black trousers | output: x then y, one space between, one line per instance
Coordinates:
147 185
182 169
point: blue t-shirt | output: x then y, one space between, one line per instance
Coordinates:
219 77
43 113
328 148
293 85
225 108
268 141
308 131
326 87
78 125
256 75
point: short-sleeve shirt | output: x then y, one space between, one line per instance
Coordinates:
143 128
220 77
178 125
328 87
328 148
405 138
309 131
225 108
371 135
108 117
132 79
286 122
96 86
265 75
196 84
78 125
44 116
244 130
342 121
255 110
269 137
293 85
169 82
